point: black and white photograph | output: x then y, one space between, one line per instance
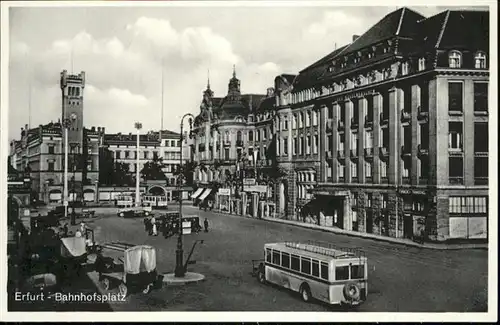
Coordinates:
325 157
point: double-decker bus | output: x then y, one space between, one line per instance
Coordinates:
316 270
155 201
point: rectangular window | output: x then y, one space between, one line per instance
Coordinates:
226 153
51 167
354 169
268 255
145 155
308 145
481 97
368 169
276 257
127 153
315 144
330 112
383 169
369 200
172 143
424 136
341 141
285 146
369 139
305 265
51 150
455 138
455 96
285 260
295 263
481 167
357 271
340 170
342 273
468 204
329 142
315 268
294 147
118 154
385 199
294 122
324 270
456 168
481 137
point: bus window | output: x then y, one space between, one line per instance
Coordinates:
276 257
295 263
285 260
315 268
268 255
357 271
342 273
324 270
306 265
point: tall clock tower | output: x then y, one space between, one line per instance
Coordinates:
72 109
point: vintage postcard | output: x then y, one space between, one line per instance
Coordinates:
331 159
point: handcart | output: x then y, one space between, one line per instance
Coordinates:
132 268
72 257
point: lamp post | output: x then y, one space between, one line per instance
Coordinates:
66 123
180 270
138 127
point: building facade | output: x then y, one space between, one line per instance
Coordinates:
40 151
387 135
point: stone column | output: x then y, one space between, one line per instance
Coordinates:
347 143
468 133
377 141
363 108
395 95
416 92
335 144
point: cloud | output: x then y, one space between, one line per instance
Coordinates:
123 74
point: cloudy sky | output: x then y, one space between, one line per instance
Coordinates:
121 49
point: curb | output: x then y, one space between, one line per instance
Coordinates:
190 278
360 235
377 238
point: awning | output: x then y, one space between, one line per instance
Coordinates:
205 194
198 192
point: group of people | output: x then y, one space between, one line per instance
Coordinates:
152 225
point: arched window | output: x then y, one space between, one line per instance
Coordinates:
308 118
294 121
250 135
455 59
480 60
315 118
238 136
226 136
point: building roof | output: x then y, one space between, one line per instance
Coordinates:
402 22
454 36
253 101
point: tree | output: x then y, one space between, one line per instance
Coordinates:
187 171
153 169
121 174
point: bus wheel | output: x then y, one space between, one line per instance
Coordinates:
261 275
305 292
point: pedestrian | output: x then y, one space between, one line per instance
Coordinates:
82 227
65 230
211 205
155 228
205 223
422 235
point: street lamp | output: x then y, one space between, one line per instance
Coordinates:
180 270
66 123
138 127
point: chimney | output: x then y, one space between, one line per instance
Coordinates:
355 37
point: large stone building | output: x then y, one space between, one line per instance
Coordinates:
386 135
40 151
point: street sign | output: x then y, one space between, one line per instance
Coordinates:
224 191
255 188
249 181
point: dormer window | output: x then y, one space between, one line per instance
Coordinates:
455 59
405 68
421 64
480 60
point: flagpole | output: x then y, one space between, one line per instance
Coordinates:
162 90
